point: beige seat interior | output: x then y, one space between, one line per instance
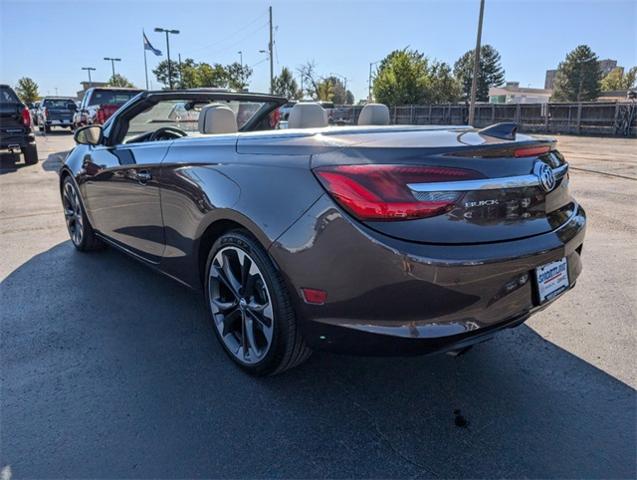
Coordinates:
217 118
307 115
374 114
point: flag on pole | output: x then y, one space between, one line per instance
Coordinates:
148 46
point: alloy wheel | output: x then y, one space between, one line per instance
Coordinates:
241 305
73 213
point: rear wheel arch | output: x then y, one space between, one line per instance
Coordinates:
216 229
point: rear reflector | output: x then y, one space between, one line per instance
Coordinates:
532 151
26 117
316 297
381 192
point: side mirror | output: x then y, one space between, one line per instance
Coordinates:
88 135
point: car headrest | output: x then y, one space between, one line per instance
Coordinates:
374 114
217 118
307 115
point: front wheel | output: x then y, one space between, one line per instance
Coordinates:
80 230
250 306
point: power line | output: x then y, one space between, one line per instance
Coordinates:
234 33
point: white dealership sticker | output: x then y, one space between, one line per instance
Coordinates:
552 279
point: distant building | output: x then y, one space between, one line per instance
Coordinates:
86 86
549 80
513 93
606 66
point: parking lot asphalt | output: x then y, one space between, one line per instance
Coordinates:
111 370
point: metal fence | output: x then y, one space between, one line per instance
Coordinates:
591 118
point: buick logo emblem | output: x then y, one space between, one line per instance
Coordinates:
545 176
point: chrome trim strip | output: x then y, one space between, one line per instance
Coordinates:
499 183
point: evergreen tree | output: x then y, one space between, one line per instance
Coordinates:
578 77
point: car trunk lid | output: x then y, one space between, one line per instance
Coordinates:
480 188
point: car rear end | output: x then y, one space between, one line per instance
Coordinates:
16 135
57 112
422 248
104 102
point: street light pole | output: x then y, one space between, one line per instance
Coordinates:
240 52
270 48
174 32
112 60
369 93
89 69
476 67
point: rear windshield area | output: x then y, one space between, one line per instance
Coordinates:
61 103
7 95
111 97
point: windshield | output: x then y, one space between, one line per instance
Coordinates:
7 95
111 97
62 103
184 115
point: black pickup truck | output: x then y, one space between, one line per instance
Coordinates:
56 112
16 135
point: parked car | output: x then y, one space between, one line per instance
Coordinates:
56 112
34 110
16 135
98 104
371 239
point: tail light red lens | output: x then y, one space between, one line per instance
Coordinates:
26 117
100 116
532 151
381 192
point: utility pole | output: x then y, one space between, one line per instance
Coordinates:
476 67
89 69
170 72
240 52
270 49
369 93
181 78
112 60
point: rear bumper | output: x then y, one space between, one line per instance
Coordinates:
391 297
16 142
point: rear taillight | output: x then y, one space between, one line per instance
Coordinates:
99 116
26 117
532 151
381 192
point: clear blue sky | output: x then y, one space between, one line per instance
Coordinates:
50 40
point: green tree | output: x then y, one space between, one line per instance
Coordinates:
341 96
286 86
618 80
490 72
212 75
324 90
187 74
27 90
443 87
578 77
161 72
402 78
238 75
118 80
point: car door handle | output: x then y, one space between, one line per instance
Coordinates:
143 176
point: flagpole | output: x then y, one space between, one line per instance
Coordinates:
145 62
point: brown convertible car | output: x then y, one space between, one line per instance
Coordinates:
373 239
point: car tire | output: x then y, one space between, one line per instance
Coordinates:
80 230
240 311
30 153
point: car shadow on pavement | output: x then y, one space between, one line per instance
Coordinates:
110 369
54 161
